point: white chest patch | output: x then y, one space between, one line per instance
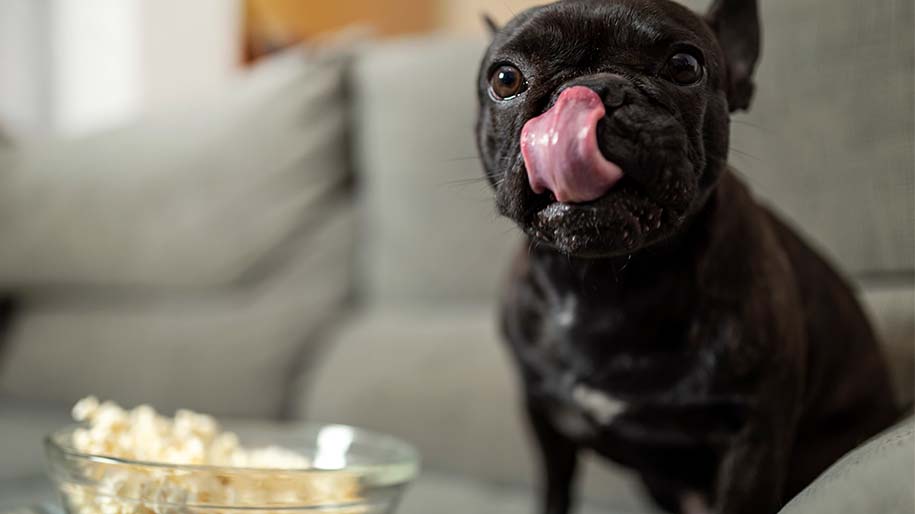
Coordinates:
600 406
566 313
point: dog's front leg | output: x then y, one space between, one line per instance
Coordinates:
559 458
751 478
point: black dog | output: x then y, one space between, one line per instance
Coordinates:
661 317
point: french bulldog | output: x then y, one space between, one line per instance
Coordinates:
660 316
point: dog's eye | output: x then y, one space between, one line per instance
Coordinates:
506 82
684 69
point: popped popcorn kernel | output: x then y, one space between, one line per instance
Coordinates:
85 408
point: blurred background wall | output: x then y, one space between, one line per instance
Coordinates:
70 67
75 66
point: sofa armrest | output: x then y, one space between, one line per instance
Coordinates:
876 477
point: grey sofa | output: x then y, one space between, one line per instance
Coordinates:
314 243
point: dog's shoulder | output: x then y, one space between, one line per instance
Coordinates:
741 249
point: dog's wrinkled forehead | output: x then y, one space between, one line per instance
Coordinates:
584 34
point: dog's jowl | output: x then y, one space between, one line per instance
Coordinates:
660 317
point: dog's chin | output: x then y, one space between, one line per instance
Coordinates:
621 222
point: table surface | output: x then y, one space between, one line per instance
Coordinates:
22 495
43 508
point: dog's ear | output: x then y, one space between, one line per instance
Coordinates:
736 24
490 23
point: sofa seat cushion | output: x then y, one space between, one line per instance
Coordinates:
229 351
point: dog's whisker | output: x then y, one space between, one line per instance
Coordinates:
458 159
465 181
745 154
750 124
509 8
746 178
626 264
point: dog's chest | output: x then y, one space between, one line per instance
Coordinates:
600 369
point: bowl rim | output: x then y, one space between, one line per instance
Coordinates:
407 456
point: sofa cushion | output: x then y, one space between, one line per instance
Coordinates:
824 141
193 197
230 351
430 228
876 477
187 260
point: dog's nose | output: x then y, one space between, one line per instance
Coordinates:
610 87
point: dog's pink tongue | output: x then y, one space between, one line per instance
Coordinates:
560 149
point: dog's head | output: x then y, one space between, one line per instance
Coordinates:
604 124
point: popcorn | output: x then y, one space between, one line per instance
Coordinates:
189 439
85 408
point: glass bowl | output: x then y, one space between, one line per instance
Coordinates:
352 471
